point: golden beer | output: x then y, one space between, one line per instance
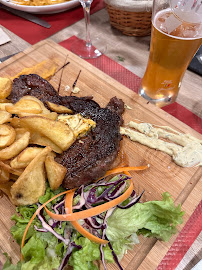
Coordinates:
170 55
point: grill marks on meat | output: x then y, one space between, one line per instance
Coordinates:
89 158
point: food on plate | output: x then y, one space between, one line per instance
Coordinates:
37 138
185 149
6 187
46 69
15 148
48 243
5 87
89 158
39 2
55 172
3 106
30 120
24 106
56 131
51 115
94 221
9 169
31 183
58 108
4 175
7 135
44 109
77 123
4 117
25 157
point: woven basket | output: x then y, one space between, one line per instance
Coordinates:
130 23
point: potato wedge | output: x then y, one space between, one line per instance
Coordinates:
25 157
4 100
13 177
51 115
4 105
4 117
15 148
58 108
37 138
7 135
20 132
8 168
56 131
55 172
31 184
4 175
6 188
44 109
23 105
15 122
5 87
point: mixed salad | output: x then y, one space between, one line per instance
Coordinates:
52 243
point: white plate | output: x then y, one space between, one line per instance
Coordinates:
49 9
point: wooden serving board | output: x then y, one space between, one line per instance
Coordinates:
184 184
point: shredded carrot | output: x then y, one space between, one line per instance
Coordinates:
77 226
127 173
36 213
92 211
126 169
73 217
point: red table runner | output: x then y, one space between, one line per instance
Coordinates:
33 33
132 81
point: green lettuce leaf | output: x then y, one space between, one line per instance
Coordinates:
90 252
8 264
155 218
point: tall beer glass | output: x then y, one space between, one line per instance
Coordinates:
176 37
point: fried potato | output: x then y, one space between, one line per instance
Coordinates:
55 172
56 131
44 109
13 177
31 184
4 117
15 122
15 148
51 115
8 168
4 175
4 100
4 105
25 157
5 87
46 69
23 105
7 135
6 188
58 108
37 138
20 132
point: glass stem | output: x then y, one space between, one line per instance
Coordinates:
86 9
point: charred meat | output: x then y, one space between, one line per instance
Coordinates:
89 158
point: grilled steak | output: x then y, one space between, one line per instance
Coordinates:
89 158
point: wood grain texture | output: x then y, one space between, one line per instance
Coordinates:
163 175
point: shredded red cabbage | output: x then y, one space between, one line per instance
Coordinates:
70 248
88 197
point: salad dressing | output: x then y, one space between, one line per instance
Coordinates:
185 149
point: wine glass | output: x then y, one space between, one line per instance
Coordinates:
84 48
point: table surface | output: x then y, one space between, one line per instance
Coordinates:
135 52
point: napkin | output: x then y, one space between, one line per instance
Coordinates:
4 38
